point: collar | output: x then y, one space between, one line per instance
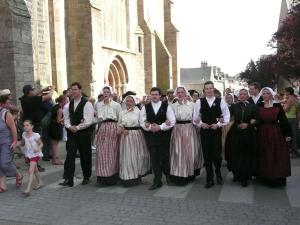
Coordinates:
156 103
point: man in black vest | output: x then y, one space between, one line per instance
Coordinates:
157 119
78 117
211 113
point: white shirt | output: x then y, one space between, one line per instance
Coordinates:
224 108
255 98
31 145
129 118
88 115
184 111
110 110
156 106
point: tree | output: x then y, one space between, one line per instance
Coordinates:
284 66
261 71
287 42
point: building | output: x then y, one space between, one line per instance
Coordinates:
194 78
286 5
128 44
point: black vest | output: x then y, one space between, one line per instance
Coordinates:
161 115
209 115
159 118
76 116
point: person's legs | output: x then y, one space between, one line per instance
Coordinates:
207 155
164 156
69 165
85 154
155 162
3 186
216 140
38 178
7 165
54 145
294 146
32 168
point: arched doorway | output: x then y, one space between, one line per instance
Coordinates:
117 75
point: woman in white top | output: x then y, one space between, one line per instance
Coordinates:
185 148
107 161
134 156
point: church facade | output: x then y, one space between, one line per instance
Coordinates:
127 44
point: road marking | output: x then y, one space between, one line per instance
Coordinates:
292 188
233 192
113 189
174 191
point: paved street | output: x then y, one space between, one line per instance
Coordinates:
192 204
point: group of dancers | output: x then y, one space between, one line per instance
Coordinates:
177 139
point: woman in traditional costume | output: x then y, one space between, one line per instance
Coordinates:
134 156
274 134
107 152
242 150
185 147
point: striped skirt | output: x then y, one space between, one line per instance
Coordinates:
134 156
107 152
185 151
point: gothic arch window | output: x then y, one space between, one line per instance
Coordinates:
117 75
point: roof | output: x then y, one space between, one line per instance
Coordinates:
195 75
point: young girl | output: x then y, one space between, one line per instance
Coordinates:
32 147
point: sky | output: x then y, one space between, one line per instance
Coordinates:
225 33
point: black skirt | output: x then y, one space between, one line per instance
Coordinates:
56 131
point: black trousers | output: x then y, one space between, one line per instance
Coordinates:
158 146
79 141
211 141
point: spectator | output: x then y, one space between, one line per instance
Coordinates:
8 141
34 105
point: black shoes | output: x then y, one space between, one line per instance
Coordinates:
244 183
209 184
85 181
66 182
219 180
155 186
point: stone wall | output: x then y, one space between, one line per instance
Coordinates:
38 10
79 43
171 41
58 44
16 68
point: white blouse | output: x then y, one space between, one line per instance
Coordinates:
184 111
111 110
31 144
129 118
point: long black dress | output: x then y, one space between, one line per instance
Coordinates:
241 144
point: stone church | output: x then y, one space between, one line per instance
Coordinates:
128 44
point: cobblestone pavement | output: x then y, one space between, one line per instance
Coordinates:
192 204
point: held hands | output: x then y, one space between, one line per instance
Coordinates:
168 123
212 126
13 145
243 126
73 129
155 128
287 139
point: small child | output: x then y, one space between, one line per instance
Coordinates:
32 145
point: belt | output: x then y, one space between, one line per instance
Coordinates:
132 128
184 122
109 121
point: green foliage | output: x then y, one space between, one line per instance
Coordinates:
286 62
